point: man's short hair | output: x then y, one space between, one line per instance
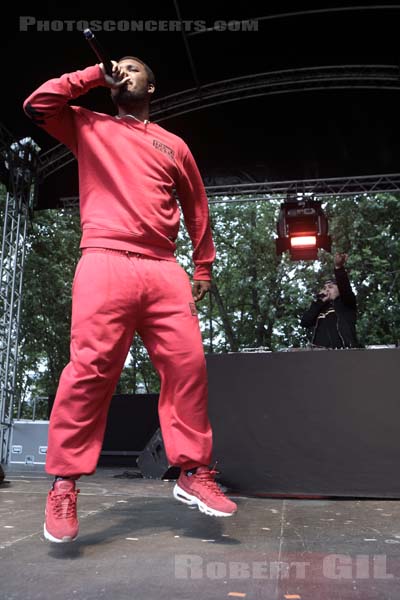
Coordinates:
149 72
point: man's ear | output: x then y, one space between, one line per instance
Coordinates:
151 88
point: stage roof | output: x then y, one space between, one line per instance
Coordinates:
287 91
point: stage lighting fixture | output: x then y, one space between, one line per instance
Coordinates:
302 229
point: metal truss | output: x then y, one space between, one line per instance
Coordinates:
335 186
250 86
20 161
54 159
277 82
240 190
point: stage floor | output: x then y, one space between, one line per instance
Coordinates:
137 543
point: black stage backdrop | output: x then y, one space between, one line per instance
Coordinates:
313 423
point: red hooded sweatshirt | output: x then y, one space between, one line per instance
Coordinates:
128 171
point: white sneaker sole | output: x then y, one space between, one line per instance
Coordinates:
51 538
189 500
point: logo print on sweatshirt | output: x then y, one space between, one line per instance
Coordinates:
163 148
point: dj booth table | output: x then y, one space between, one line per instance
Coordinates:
307 423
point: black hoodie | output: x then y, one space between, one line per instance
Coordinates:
334 322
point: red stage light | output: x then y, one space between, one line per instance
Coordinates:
302 229
304 241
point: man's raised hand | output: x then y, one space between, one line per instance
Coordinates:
340 259
119 77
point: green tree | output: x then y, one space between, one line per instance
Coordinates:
257 298
51 257
368 228
52 252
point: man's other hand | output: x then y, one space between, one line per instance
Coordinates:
200 289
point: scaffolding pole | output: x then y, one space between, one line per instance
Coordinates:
21 164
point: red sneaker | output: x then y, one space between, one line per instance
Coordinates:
200 489
61 523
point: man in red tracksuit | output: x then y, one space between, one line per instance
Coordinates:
128 280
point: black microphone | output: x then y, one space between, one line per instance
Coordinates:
98 50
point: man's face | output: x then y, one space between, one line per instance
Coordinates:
330 291
138 86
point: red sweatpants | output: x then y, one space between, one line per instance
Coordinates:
114 294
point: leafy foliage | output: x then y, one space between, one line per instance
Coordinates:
257 298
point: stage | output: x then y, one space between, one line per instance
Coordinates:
137 543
